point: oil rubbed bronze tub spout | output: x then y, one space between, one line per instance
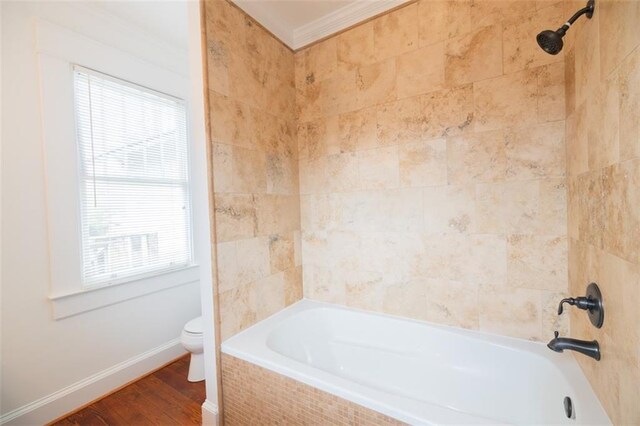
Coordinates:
559 344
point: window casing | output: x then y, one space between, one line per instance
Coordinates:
135 214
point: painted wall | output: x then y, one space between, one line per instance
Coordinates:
603 153
432 166
255 168
39 355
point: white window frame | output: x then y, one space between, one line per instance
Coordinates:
58 51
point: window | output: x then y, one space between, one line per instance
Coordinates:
133 176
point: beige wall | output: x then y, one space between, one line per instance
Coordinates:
253 135
432 166
603 150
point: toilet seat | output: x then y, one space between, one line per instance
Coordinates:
194 326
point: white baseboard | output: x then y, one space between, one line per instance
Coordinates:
76 395
210 414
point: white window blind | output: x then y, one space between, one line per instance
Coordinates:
134 185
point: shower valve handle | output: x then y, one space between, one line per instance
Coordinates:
592 303
584 303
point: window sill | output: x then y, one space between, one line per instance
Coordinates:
67 305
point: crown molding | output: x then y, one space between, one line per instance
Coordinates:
343 18
327 25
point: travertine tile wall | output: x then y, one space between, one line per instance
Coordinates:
255 168
432 166
603 153
256 396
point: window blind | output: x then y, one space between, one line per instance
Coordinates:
134 179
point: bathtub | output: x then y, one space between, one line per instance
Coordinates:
416 372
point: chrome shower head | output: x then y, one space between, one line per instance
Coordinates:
551 41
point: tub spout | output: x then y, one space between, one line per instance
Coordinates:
559 344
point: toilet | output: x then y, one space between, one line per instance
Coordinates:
192 341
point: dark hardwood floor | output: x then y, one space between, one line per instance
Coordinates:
162 398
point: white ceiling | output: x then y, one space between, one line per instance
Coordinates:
301 22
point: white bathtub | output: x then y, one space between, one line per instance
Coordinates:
418 372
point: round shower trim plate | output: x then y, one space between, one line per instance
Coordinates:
591 4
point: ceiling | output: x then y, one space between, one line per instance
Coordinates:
298 23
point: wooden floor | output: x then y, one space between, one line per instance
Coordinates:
162 398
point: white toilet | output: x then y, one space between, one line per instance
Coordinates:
192 341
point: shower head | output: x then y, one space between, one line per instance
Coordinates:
551 41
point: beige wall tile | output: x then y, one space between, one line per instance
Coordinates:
510 311
222 167
440 20
535 152
474 56
252 256
449 209
577 142
228 267
452 303
318 284
448 112
587 60
277 213
551 321
629 81
617 20
421 71
407 298
552 217
313 177
344 172
423 163
249 172
520 49
537 262
551 92
231 121
570 81
235 216
621 189
237 310
281 252
503 101
376 83
379 168
293 285
509 12
396 32
603 116
218 67
400 121
358 130
270 295
512 208
355 47
321 59
439 257
339 93
476 157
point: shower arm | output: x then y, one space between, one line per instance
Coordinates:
588 9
